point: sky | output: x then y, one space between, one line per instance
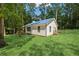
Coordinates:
37 12
37 4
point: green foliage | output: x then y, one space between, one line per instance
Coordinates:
17 15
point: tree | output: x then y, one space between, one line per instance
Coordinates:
15 16
2 42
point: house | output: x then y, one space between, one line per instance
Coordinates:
44 27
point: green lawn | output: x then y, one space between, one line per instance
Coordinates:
65 43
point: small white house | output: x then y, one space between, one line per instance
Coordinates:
44 27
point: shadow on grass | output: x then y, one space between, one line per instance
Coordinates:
51 49
34 50
16 41
74 48
40 50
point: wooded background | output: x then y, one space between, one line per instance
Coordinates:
17 15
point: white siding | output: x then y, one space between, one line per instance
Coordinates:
53 25
42 30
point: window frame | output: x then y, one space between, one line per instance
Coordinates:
49 28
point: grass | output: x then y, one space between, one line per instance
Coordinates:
66 43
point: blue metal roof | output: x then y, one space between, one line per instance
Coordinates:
41 22
45 21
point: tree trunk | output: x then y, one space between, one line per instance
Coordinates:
56 14
2 42
57 19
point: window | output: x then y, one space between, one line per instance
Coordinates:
28 28
50 29
38 28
